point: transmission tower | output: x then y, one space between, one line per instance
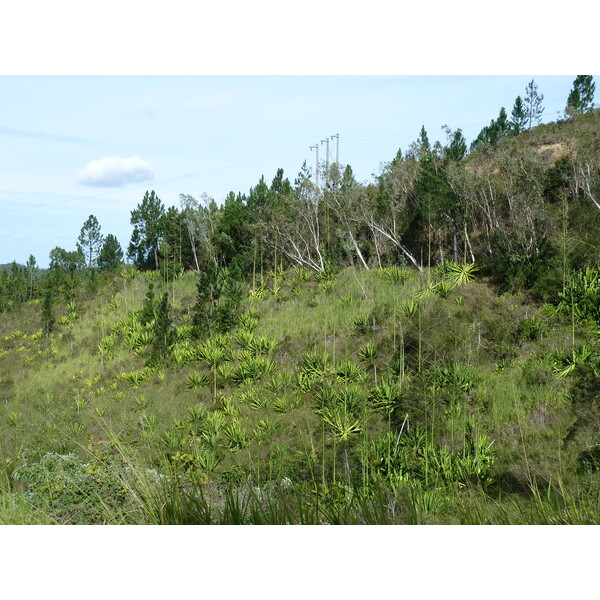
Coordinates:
316 147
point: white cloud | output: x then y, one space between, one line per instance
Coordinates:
115 171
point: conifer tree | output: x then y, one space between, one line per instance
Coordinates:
31 268
148 229
518 117
209 292
48 313
90 240
164 333
111 254
147 313
457 148
581 97
533 105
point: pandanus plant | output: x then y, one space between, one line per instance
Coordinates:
213 354
343 425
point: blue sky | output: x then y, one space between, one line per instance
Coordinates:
71 146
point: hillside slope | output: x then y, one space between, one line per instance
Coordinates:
384 395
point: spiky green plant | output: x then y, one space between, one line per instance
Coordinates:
410 308
368 352
460 274
396 274
248 322
342 423
385 396
196 380
236 435
349 371
565 363
316 364
285 403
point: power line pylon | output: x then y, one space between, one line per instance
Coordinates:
316 147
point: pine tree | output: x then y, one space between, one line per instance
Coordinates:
457 148
164 333
31 268
423 146
48 313
518 117
148 229
232 293
581 97
502 124
90 240
533 105
209 292
147 312
111 254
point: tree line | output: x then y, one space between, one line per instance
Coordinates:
516 202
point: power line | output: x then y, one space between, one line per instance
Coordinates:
351 142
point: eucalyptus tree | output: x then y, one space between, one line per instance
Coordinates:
200 223
295 224
394 205
345 200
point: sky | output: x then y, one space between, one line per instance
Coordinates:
72 146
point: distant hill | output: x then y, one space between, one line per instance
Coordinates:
7 266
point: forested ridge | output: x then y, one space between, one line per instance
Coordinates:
421 348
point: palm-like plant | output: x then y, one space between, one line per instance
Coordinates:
396 274
460 274
367 353
349 371
196 380
385 396
343 424
565 363
236 435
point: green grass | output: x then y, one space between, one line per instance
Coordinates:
361 398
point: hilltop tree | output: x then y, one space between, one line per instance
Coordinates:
233 236
533 105
199 221
491 133
31 269
502 124
111 254
581 97
175 248
62 261
148 229
90 240
457 148
518 117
